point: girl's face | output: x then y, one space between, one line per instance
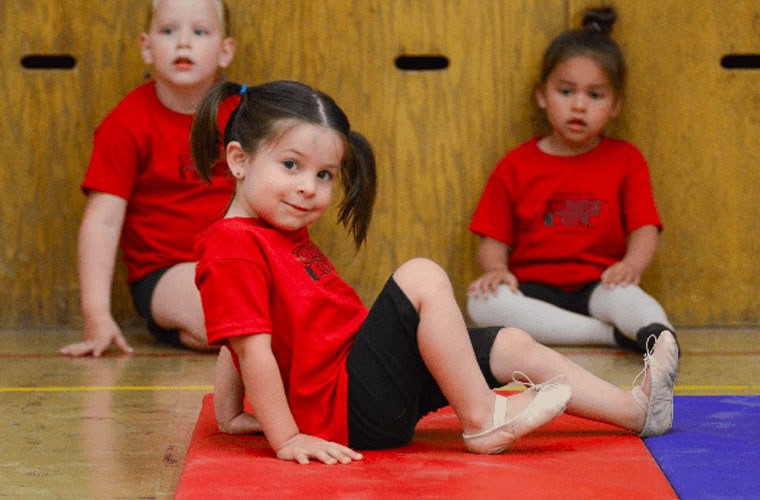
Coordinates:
186 43
288 183
579 101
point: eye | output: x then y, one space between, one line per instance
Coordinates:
289 164
325 175
596 95
200 31
565 91
166 31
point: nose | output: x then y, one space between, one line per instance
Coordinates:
183 40
307 185
579 101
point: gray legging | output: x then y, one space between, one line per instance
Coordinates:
628 308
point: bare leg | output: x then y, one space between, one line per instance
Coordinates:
176 304
593 397
445 346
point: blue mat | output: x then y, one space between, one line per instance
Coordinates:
714 449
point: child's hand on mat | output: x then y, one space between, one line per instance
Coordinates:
97 339
302 447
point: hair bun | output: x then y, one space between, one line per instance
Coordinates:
599 20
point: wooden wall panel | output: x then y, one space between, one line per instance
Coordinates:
437 134
47 119
699 126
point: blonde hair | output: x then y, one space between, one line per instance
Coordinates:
221 10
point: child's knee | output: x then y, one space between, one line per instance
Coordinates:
516 340
421 272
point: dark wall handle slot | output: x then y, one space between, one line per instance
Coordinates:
422 62
48 61
740 61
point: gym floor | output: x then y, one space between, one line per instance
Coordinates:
119 426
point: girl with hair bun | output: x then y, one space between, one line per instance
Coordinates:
568 222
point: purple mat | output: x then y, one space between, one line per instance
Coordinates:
714 449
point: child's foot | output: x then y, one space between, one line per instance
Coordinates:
644 335
654 395
549 402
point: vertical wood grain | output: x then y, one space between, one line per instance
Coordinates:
437 134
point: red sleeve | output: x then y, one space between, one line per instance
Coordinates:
638 203
235 285
114 161
493 215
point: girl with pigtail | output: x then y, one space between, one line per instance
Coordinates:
325 376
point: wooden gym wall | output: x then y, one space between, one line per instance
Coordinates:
437 133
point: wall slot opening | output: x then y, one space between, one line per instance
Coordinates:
48 61
422 62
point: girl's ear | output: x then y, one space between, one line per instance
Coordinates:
237 159
617 107
226 52
145 49
540 95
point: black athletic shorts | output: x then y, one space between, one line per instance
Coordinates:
142 295
575 301
389 387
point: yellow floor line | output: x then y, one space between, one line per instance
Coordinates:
679 389
93 388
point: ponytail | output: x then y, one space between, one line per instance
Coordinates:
359 183
205 140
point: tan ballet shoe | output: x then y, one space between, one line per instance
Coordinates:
549 402
662 362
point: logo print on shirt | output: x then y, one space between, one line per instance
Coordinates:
314 262
187 168
571 213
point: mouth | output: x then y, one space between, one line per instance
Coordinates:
576 124
297 207
183 63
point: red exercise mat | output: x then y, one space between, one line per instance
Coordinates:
569 458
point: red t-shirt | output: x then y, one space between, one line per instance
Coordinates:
566 219
141 153
256 279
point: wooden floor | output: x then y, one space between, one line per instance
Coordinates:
119 426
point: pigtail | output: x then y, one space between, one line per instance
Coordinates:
205 140
599 20
360 185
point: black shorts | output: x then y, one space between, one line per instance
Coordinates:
142 295
575 300
389 387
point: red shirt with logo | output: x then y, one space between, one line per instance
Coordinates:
141 153
566 219
256 279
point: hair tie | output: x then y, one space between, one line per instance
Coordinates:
243 89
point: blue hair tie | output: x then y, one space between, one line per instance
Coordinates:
243 89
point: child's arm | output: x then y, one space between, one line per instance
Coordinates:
231 416
98 242
493 257
642 247
266 393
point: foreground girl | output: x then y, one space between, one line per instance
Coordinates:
324 376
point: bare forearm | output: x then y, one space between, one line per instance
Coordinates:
98 242
642 247
493 255
265 389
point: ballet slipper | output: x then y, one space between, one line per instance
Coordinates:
661 362
549 402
